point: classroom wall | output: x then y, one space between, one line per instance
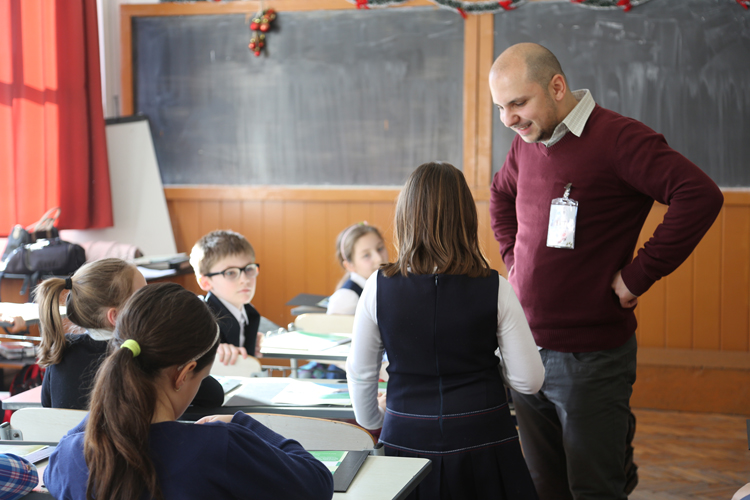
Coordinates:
694 326
703 305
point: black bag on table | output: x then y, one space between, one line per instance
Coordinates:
44 228
43 258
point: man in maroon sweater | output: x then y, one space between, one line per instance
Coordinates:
571 264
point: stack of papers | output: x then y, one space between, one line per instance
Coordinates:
309 393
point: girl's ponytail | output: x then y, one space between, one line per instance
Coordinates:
93 290
52 346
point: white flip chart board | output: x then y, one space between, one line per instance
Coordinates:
140 209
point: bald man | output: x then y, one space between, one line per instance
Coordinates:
567 208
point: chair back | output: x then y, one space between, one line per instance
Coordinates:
44 424
244 367
317 433
325 323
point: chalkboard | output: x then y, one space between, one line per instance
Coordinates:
682 67
341 97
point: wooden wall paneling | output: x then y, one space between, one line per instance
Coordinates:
651 305
381 216
185 216
678 303
251 227
294 245
337 219
735 277
471 52
707 289
210 219
490 246
230 216
273 287
359 211
318 250
485 107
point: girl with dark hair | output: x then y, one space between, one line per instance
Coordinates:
131 446
441 313
93 297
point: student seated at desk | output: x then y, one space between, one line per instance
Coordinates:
131 446
225 267
360 250
96 293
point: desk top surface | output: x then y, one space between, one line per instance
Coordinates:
27 399
386 478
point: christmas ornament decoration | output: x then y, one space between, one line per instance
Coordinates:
259 26
465 7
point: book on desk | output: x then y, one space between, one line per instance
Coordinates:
344 465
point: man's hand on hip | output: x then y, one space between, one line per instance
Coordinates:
627 299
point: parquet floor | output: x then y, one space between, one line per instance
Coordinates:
686 456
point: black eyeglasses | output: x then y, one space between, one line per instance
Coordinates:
233 273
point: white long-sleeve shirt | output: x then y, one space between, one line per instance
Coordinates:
520 363
343 300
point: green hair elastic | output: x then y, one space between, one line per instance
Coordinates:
133 346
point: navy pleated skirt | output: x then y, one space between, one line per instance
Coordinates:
475 455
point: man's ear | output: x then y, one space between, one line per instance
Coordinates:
112 315
205 283
183 374
557 87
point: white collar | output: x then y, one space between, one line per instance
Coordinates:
239 314
100 333
576 119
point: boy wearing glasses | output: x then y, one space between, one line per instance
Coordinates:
225 267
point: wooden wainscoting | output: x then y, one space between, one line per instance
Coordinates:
703 307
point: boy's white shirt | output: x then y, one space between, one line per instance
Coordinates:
240 315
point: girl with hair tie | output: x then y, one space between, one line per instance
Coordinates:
131 446
93 297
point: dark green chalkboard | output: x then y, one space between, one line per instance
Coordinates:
341 97
682 67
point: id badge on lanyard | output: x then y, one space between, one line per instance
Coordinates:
562 221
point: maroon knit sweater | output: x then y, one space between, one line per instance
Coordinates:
618 167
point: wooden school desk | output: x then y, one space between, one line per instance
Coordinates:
379 478
27 399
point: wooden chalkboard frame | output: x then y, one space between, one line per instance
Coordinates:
474 51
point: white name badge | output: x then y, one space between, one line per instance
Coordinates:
562 221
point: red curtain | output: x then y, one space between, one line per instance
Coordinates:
52 144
